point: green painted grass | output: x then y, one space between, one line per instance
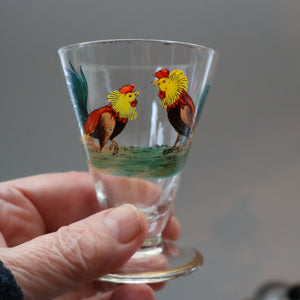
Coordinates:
142 162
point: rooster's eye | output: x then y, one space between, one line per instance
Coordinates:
164 81
130 96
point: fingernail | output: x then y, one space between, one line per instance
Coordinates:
124 222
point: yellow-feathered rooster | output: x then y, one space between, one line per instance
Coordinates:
107 122
174 97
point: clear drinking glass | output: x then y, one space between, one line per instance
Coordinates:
137 103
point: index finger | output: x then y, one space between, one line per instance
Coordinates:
60 198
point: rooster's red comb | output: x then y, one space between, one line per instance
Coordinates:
162 73
127 89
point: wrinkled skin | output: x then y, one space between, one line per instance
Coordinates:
56 242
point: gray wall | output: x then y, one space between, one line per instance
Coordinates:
239 201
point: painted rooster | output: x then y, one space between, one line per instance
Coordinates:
107 122
175 99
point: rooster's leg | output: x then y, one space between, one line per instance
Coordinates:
116 146
91 144
177 140
170 150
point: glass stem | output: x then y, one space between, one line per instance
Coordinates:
152 245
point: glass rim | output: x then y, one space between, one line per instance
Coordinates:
64 49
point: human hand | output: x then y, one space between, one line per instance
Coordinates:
56 241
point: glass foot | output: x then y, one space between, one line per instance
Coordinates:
167 261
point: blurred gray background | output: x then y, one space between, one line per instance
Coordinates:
239 202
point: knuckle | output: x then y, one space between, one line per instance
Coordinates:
76 248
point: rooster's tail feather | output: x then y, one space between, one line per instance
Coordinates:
78 90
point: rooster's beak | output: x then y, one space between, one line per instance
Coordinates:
155 83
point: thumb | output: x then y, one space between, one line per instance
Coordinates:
53 264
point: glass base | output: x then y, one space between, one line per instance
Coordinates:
164 262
